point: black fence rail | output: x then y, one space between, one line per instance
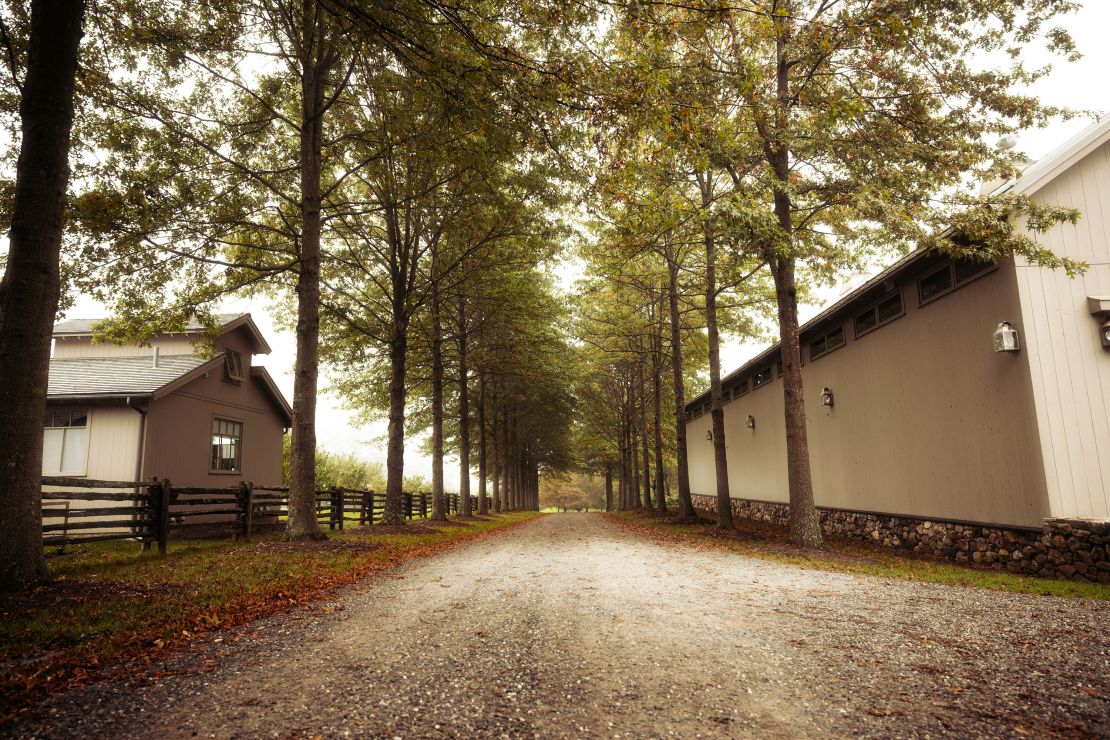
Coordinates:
81 510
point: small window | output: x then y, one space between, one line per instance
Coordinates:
227 445
866 321
65 442
889 309
935 283
969 268
882 312
763 377
827 343
233 366
740 389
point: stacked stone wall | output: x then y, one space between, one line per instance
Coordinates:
1077 549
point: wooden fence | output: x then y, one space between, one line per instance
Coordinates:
80 510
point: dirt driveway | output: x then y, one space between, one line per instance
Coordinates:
571 627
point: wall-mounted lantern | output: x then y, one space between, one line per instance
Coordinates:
1100 309
826 397
709 435
1006 338
750 422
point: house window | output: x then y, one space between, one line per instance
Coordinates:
882 312
967 269
763 377
65 442
935 283
233 366
830 341
227 445
740 389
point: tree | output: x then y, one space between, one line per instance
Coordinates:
30 288
850 128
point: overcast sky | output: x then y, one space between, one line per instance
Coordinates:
1081 85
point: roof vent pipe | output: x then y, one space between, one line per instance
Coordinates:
154 360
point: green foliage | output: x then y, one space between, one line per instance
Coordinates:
343 469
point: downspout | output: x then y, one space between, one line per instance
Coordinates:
142 445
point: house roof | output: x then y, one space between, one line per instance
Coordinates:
227 321
1040 173
87 378
1033 178
116 377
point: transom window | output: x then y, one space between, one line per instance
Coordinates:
740 389
823 345
65 441
882 312
947 278
227 445
763 377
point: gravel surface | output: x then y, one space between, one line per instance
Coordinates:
571 627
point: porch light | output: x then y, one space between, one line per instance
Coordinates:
1006 338
750 422
826 396
709 435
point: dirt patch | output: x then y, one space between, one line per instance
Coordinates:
283 546
414 528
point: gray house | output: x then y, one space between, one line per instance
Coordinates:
914 417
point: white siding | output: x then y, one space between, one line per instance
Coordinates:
84 347
1070 369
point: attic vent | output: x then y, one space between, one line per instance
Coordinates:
233 366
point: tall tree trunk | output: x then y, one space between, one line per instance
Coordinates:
633 444
645 436
31 285
393 513
498 447
720 460
438 509
302 477
464 417
682 467
805 523
483 505
657 408
608 486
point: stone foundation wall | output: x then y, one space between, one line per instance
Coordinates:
1077 549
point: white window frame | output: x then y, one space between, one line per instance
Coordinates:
84 469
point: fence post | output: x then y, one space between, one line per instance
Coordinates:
366 505
406 499
246 498
333 496
162 520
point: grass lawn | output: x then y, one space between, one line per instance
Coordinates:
768 542
111 603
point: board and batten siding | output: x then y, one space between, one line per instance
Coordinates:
928 420
1070 368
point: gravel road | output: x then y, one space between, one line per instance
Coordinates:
572 627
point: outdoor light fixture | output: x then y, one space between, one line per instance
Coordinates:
709 435
750 423
826 397
1006 338
1100 309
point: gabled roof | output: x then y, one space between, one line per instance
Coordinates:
227 321
1049 167
88 378
116 377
